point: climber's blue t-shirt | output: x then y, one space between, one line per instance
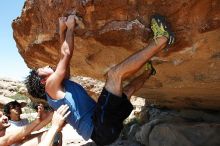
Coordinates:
81 106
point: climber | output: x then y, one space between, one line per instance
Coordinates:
101 120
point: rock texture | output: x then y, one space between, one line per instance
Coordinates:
188 75
179 128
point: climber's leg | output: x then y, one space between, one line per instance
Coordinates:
139 81
131 65
162 36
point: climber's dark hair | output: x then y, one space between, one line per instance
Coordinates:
34 86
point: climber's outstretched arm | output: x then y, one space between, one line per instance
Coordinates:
54 82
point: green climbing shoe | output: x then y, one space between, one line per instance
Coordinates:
161 28
149 66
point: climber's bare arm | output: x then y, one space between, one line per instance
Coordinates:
54 82
62 33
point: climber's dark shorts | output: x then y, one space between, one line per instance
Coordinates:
108 117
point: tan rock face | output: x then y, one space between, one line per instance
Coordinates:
188 75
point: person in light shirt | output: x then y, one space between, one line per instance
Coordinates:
13 111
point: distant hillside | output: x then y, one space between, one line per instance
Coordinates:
11 88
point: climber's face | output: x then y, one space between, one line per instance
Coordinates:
45 71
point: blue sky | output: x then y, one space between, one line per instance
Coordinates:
11 63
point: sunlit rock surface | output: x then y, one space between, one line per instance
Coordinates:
188 75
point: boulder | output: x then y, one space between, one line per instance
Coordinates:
188 75
180 128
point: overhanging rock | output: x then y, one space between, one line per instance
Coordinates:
188 75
